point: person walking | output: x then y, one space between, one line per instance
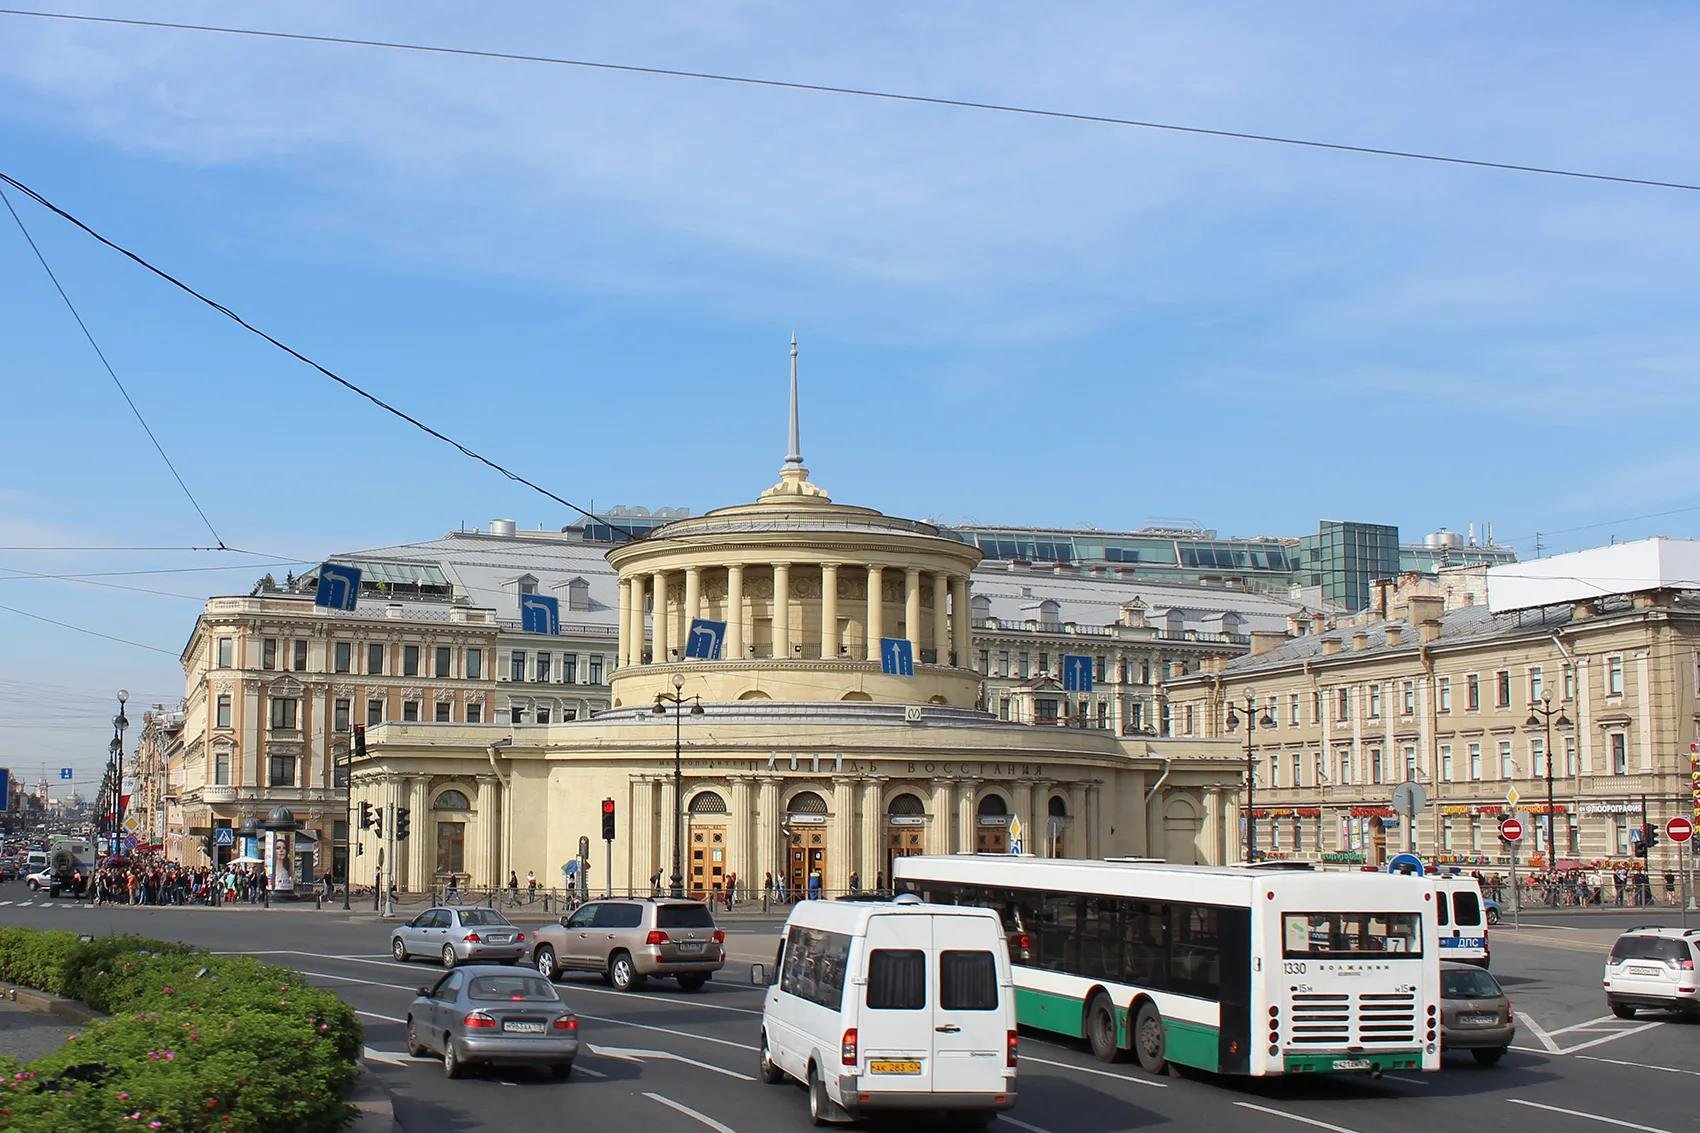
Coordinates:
731 890
855 881
513 887
767 888
530 887
814 885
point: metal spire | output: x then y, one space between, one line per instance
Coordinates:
794 458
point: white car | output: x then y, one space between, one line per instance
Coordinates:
39 880
1653 968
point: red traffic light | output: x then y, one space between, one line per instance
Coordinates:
607 806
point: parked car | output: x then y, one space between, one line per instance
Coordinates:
486 1014
630 939
456 935
898 1007
1653 968
1475 1012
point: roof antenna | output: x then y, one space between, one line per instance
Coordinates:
794 458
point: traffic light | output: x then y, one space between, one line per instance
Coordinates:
607 820
365 816
359 741
378 822
1649 837
401 822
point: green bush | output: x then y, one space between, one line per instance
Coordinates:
195 1042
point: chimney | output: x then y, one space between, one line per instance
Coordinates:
1318 623
1424 608
1177 668
1395 634
1264 640
1330 646
1359 641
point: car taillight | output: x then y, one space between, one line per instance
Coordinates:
1685 965
566 1023
479 1021
470 938
1012 1047
520 939
847 1048
720 936
656 936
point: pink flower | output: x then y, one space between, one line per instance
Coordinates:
123 1097
156 1124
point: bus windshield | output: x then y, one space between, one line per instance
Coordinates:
1324 935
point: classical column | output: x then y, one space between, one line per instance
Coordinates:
693 599
941 620
843 840
494 844
872 862
621 654
1079 825
876 611
734 646
1039 814
1095 821
829 611
782 610
640 835
962 622
938 809
635 651
658 621
740 825
912 609
479 866
421 849
1213 826
967 828
664 843
769 858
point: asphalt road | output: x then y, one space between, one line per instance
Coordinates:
667 1062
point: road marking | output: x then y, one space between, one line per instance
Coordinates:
388 1057
1610 1038
1295 1117
1531 1049
585 1070
385 1018
1539 1032
4 903
692 1002
1638 1065
1407 1081
27 904
631 1055
1100 1073
1589 1116
1019 1124
689 1112
1577 1026
357 980
667 1031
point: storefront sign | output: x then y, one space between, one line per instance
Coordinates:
1611 808
1456 809
1343 857
1308 811
1372 812
805 820
905 820
994 820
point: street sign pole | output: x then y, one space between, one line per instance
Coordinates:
608 867
389 840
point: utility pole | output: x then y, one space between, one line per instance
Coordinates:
389 841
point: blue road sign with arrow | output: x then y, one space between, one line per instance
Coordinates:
67 773
339 587
224 836
703 642
1077 674
1405 863
897 657
538 613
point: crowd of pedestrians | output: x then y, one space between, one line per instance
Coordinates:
1586 885
153 881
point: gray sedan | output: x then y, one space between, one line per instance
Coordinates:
491 1015
455 935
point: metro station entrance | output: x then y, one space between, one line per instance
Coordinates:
991 834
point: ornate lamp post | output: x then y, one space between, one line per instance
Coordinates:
678 701
1253 721
119 723
1541 713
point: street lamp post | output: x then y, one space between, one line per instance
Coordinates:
677 700
1539 714
119 723
1252 722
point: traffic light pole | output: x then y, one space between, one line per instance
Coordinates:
389 840
608 867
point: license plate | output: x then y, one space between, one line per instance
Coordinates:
497 939
523 1028
1351 1064
690 946
891 1066
1645 972
1478 1020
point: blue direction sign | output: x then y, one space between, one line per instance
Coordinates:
539 613
5 787
1405 863
67 773
1077 674
224 836
703 642
897 657
339 586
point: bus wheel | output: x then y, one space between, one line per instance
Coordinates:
1148 1039
1101 1028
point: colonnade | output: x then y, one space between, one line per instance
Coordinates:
794 610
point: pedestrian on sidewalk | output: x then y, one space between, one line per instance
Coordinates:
530 887
731 890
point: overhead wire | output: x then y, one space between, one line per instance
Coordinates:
85 629
111 373
863 92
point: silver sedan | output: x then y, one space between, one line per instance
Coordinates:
484 1014
455 935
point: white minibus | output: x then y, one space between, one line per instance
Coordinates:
1462 918
879 1007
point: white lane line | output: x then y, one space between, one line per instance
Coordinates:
666 1031
689 1112
1089 1070
1531 1049
1019 1124
632 1055
3 904
1589 1116
27 904
1295 1117
1637 1065
357 980
1579 1026
388 1057
1610 1038
588 1072
1539 1032
1407 1081
385 1018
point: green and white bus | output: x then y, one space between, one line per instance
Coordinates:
1230 970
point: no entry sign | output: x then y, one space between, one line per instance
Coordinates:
1679 829
1511 829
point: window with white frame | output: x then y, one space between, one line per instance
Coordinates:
1506 769
1618 742
339 715
1316 707
221 711
1570 767
1409 707
596 669
1375 768
1502 689
1293 710
1475 833
1538 757
475 713
1475 762
1614 675
410 711
374 711
1345 764
375 659
1537 684
1444 694
1446 763
298 659
225 650
1410 762
221 769
444 711
569 667
1569 682
1446 834
474 664
1620 834
283 712
268 653
1375 702
1342 704
1472 693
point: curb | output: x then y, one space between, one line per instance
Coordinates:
40 1001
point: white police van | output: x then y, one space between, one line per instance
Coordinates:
892 1006
1462 918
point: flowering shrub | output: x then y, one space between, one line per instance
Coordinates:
195 1042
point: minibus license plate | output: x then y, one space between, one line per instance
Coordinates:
1351 1064
891 1066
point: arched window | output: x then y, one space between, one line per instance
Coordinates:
806 802
1057 807
906 804
993 804
855 695
755 694
451 800
708 803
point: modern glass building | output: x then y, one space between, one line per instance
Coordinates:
1344 557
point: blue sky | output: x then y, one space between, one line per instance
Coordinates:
593 277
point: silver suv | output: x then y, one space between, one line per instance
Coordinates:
631 939
1653 968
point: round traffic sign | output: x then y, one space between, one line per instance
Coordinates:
1679 829
1511 829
